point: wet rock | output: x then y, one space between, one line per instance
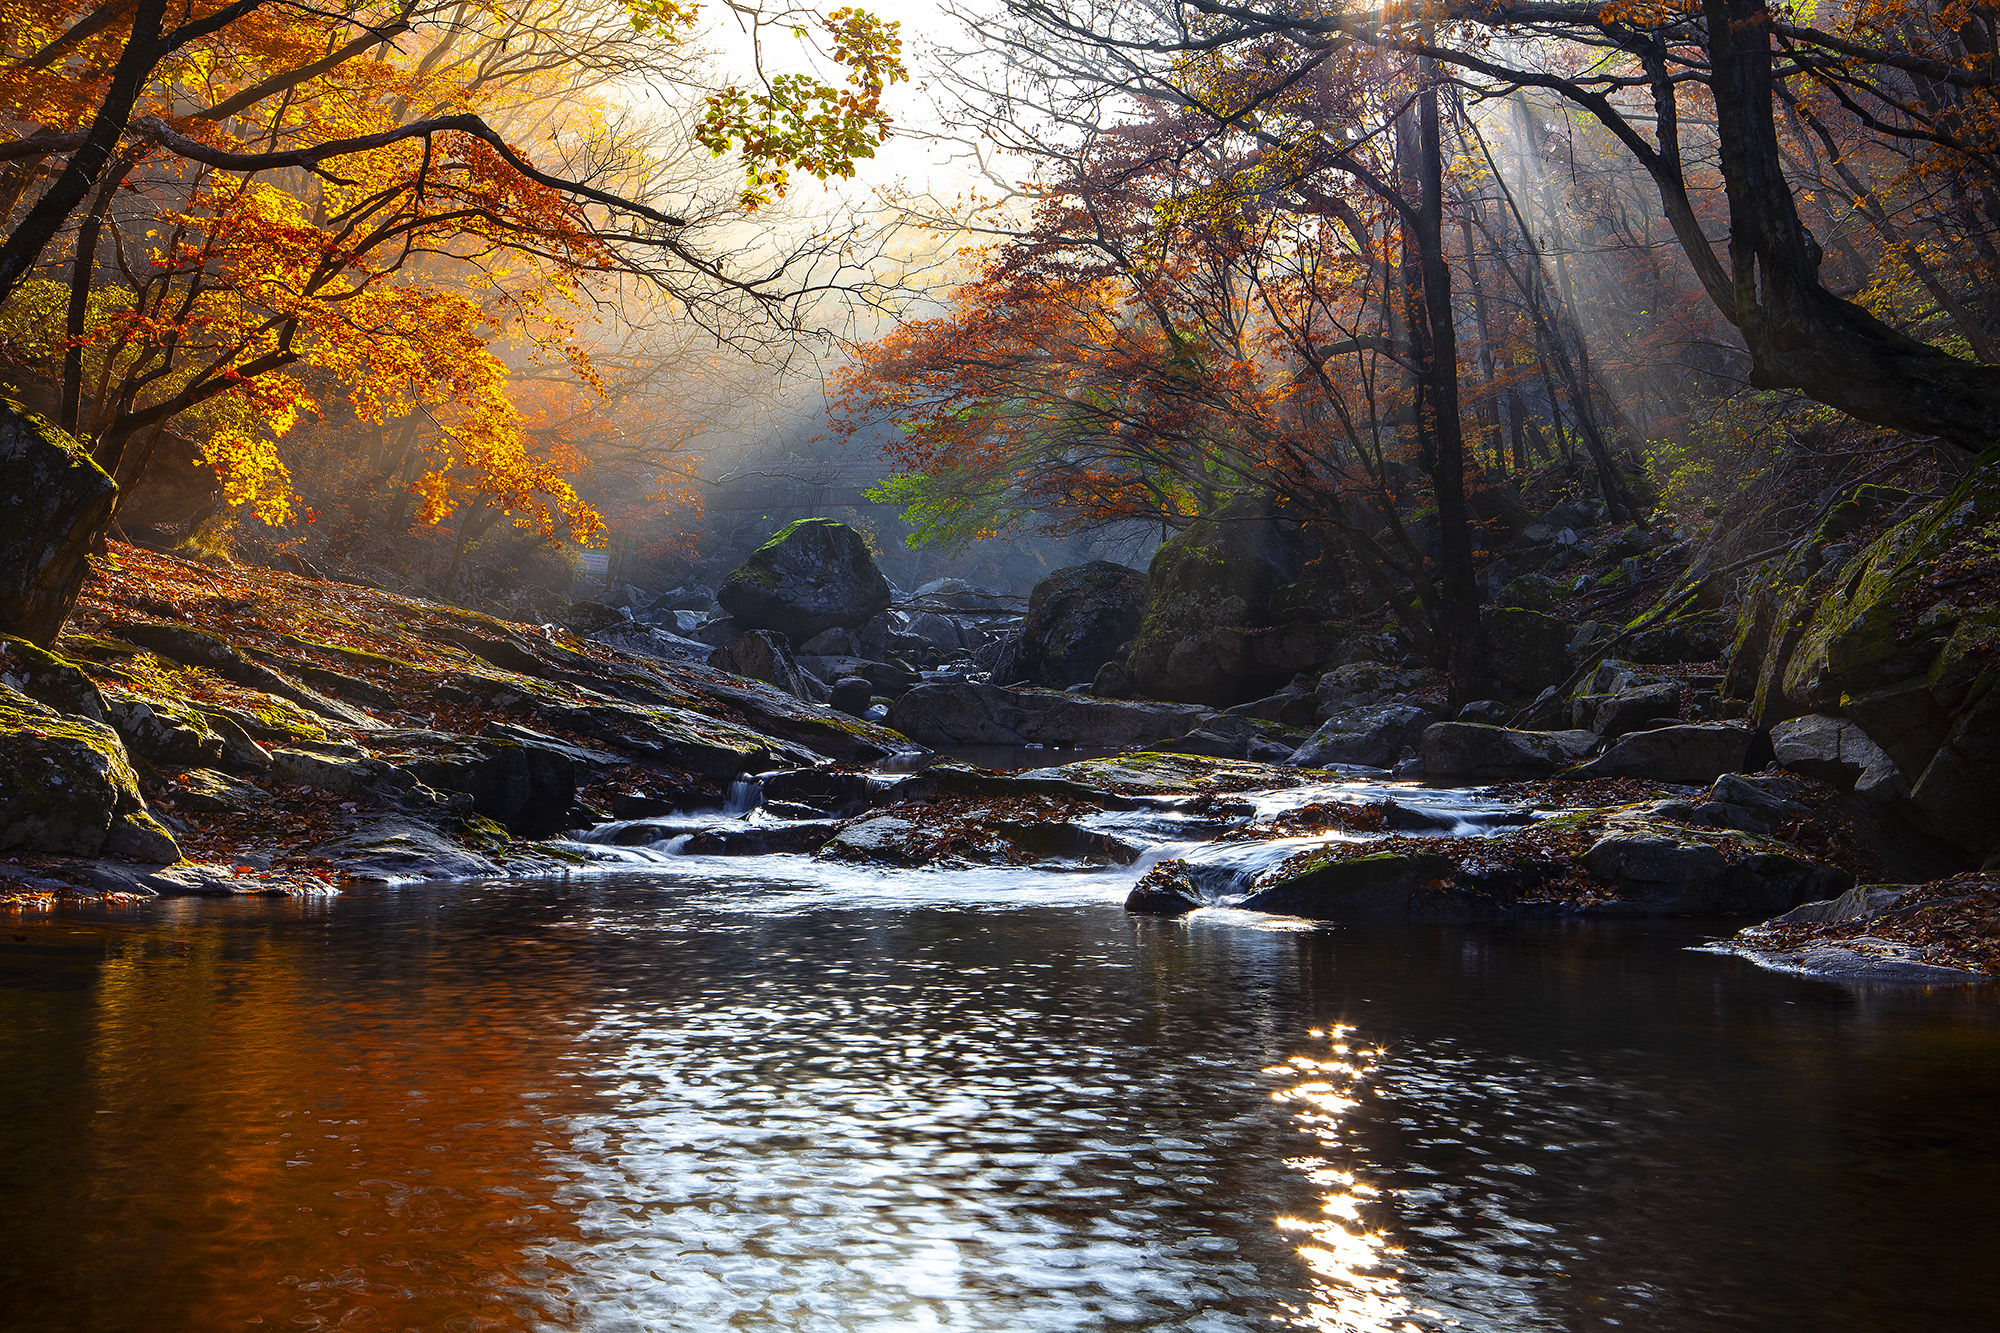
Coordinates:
964 713
398 849
54 503
1369 737
1165 890
63 780
1636 708
1391 883
49 679
1835 750
813 575
1695 754
762 655
1527 651
951 833
1077 619
1863 961
825 791
1497 754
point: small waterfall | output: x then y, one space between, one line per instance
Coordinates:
745 795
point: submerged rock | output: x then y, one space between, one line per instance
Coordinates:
813 575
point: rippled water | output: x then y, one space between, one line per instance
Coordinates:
696 1099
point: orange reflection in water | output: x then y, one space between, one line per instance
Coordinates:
257 1159
1356 1286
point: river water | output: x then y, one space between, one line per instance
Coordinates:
715 1097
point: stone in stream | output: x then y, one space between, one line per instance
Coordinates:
1695 754
964 713
1480 753
396 849
1388 883
1661 871
813 575
1164 890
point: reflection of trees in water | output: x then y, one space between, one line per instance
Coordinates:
281 1130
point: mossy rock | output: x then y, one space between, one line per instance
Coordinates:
811 576
1388 883
49 678
1205 586
63 780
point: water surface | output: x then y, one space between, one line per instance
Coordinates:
693 1099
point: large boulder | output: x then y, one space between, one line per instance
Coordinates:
1897 636
1077 618
1658 871
1527 651
1205 586
964 713
1372 737
54 503
814 575
1837 751
1696 754
1498 754
67 787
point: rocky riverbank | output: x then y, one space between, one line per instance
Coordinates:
202 728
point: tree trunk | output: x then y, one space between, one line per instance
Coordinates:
1458 589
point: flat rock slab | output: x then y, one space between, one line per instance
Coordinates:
399 850
1864 960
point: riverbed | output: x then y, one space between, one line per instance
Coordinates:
780 1097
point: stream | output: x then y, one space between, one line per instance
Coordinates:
768 1093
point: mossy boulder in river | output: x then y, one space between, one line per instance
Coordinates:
813 575
1204 588
67 788
1393 883
54 501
